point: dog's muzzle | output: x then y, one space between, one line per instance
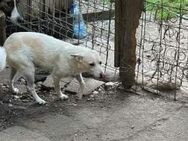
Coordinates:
102 76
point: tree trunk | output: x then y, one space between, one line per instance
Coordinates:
128 13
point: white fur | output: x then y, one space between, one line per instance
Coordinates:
15 14
27 49
2 58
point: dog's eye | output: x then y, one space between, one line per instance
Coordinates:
100 62
92 64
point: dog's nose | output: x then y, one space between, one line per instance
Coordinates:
20 19
102 75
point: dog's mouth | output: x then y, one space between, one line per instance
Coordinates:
101 77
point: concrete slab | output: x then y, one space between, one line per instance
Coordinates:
171 128
116 116
91 84
123 120
57 127
18 133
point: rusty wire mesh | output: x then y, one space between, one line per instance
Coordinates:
162 40
48 17
162 37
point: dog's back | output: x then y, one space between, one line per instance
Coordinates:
43 50
28 46
22 49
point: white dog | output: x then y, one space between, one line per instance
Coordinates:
25 50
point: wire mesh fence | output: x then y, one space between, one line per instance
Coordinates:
53 17
162 38
163 46
43 16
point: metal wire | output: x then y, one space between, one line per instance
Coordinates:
44 16
162 39
165 46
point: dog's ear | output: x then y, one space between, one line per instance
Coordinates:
77 57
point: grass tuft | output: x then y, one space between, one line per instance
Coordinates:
167 9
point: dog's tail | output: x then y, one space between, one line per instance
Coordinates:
3 56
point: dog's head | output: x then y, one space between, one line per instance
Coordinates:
9 7
90 62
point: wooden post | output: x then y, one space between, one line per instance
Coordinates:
2 28
127 13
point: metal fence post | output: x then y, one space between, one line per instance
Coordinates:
127 14
2 28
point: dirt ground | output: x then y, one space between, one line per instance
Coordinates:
15 106
110 116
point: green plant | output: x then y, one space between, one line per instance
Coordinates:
107 1
167 9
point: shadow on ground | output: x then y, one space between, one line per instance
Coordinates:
110 116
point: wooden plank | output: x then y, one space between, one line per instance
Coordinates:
2 28
96 16
117 34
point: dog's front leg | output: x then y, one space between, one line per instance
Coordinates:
13 78
82 85
58 88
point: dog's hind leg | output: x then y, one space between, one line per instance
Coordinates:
57 86
82 85
28 74
13 78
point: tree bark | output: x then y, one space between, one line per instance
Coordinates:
127 13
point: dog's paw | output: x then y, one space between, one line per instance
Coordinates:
41 101
15 90
79 96
63 96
